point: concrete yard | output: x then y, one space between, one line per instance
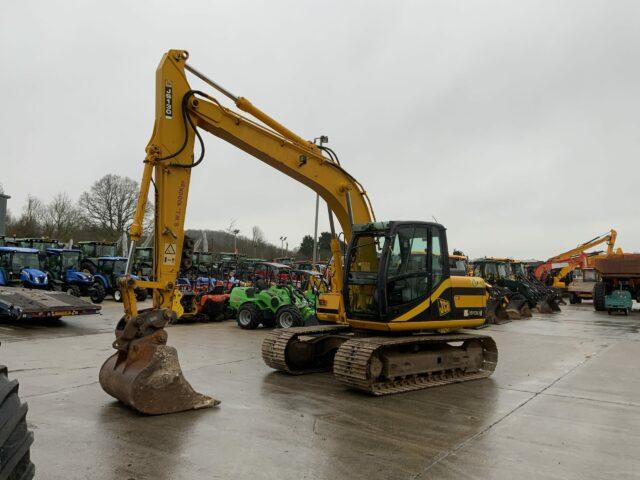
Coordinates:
564 403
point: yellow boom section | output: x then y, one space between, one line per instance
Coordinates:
169 159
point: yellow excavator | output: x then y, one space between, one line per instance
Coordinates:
392 309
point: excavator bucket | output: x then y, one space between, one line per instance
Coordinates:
545 305
497 310
145 373
525 311
549 304
513 312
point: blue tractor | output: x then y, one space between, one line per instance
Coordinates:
63 269
20 267
108 270
92 251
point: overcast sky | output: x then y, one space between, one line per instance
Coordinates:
514 123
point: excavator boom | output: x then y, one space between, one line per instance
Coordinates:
145 372
396 277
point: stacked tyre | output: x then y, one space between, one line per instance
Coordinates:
186 262
599 292
15 438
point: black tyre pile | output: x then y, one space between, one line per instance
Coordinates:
15 438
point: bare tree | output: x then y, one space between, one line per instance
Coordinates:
257 235
232 228
110 203
257 239
29 222
61 217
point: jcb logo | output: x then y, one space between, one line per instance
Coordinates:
168 99
444 307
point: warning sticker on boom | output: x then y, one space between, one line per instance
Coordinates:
169 257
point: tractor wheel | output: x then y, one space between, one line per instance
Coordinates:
15 439
249 316
141 294
269 322
599 292
117 295
288 317
213 310
98 293
73 290
229 313
88 267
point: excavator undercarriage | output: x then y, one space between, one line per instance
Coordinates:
381 365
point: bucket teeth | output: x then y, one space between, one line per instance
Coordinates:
525 311
146 375
150 380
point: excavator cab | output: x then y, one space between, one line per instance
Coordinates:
393 266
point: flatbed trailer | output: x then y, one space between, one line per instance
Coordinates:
22 303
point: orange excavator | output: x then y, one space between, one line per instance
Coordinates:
554 271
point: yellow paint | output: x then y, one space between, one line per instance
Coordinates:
413 326
470 301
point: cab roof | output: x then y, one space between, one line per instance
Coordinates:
61 250
385 226
274 265
19 250
93 242
492 260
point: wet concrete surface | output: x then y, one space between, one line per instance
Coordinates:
564 403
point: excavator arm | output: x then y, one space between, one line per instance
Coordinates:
169 160
574 254
137 373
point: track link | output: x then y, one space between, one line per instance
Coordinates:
352 361
274 346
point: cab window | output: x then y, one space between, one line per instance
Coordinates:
407 271
438 261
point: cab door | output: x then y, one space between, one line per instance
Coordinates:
416 267
438 267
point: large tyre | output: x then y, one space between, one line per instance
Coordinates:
141 294
599 292
73 290
117 295
249 316
88 267
98 293
269 322
15 439
214 310
288 317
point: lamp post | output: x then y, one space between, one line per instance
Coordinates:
235 240
282 240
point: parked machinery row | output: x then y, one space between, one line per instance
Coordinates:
90 270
